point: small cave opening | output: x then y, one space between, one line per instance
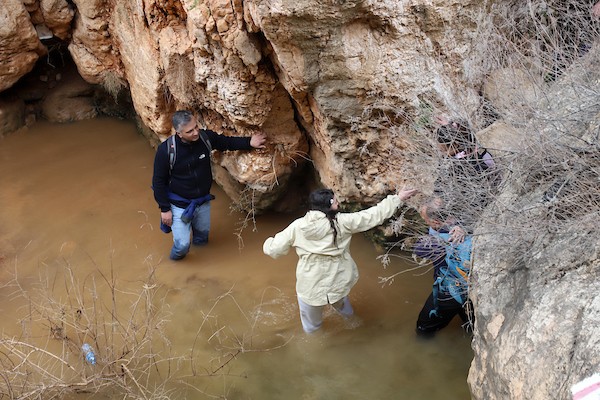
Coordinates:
55 91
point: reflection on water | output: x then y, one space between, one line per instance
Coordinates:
78 196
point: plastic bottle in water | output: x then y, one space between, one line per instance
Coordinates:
88 352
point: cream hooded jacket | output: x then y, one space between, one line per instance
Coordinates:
325 272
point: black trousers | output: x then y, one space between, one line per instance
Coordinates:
448 308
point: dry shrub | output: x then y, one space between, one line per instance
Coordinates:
180 84
125 330
554 178
541 37
113 83
135 358
550 186
245 204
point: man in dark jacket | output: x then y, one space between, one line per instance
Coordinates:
183 177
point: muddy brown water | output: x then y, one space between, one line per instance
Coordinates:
77 211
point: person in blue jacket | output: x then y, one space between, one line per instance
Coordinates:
448 247
183 178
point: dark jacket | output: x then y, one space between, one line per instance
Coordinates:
191 176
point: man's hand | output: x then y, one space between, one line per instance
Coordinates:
405 194
166 217
457 235
258 140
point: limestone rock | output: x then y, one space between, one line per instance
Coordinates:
537 272
57 16
275 163
20 47
501 137
354 69
140 58
72 101
512 89
231 75
12 114
92 45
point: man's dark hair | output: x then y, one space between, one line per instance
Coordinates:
321 200
180 118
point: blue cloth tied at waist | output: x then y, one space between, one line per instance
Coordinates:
188 213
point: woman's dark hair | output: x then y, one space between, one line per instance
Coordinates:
321 200
457 133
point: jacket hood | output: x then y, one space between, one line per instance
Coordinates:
317 225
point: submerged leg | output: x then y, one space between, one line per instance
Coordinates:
311 316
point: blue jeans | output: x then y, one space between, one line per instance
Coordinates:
200 225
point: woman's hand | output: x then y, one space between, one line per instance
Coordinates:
596 10
405 194
442 120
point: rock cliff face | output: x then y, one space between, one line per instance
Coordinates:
20 47
537 271
335 77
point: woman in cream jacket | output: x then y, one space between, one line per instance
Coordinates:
326 271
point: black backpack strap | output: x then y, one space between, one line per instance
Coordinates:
206 140
478 162
172 149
